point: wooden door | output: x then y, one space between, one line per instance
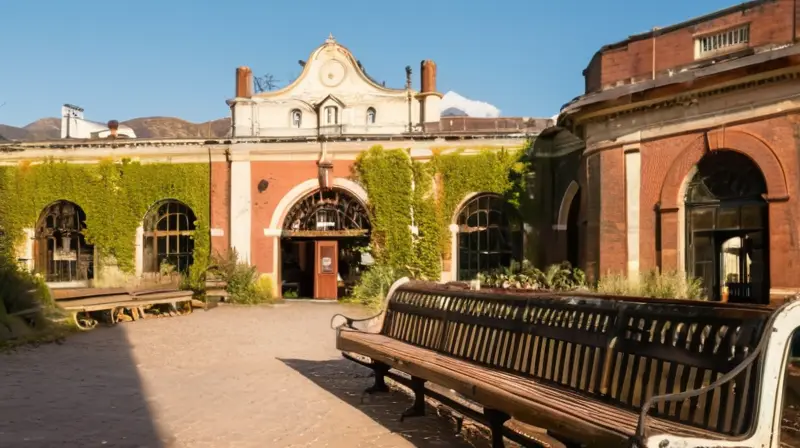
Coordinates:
326 270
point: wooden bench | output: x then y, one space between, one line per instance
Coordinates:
592 370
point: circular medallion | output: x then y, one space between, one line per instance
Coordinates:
332 73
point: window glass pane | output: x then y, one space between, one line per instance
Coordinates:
728 218
702 219
753 216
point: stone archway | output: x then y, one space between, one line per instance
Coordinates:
62 254
321 238
671 227
727 234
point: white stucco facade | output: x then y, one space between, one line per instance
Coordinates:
74 125
332 96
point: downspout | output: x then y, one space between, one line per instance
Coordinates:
654 50
794 24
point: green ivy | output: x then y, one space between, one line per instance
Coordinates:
428 219
114 195
488 171
387 176
438 188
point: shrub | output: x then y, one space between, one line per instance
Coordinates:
244 285
557 277
374 284
668 285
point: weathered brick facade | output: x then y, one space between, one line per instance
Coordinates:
743 100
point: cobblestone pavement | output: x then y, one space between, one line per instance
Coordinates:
229 377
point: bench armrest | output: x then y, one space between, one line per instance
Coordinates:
641 430
350 322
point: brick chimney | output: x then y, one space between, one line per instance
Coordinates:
113 127
428 76
244 82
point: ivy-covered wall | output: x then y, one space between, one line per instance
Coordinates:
114 195
431 190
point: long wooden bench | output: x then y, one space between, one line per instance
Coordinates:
592 370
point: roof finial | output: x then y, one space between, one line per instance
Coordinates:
330 39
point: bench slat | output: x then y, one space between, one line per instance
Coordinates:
616 351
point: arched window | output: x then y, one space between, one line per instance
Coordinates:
489 236
726 228
62 254
328 211
297 118
168 236
331 115
371 115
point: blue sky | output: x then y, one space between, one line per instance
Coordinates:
122 60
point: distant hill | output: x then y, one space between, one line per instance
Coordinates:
453 112
146 127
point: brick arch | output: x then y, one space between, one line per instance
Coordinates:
754 148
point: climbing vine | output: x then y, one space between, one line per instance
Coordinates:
387 177
489 171
433 189
114 195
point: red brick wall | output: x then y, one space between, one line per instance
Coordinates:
220 206
282 177
666 162
605 235
770 23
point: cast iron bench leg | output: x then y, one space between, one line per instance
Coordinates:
418 408
380 370
496 421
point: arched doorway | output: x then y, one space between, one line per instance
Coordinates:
321 244
489 235
168 236
573 231
727 228
62 254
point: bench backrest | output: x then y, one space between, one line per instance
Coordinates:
619 350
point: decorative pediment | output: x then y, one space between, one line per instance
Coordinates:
329 99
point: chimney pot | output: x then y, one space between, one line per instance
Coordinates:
244 82
113 126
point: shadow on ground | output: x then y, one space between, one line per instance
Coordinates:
336 376
85 393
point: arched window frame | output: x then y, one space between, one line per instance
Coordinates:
296 118
725 199
372 115
61 251
484 244
339 211
169 229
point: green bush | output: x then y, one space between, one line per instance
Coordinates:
374 284
244 285
668 285
557 277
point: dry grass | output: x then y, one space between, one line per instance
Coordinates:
663 285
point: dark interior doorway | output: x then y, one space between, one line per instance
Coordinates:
62 254
321 249
727 233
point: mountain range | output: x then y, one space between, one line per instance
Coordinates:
452 105
147 127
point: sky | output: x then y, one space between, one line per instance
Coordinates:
122 60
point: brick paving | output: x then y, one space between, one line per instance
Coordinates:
229 377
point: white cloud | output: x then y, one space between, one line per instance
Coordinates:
473 108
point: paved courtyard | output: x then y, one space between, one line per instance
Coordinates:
229 377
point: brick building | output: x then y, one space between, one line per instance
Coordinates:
683 155
279 191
